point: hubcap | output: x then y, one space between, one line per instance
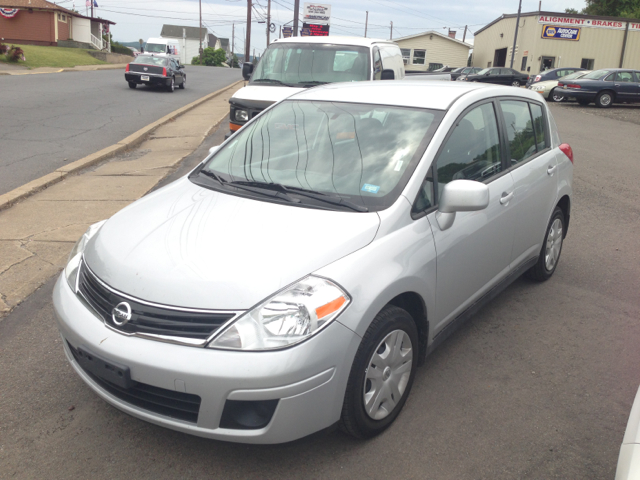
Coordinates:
554 245
558 98
388 374
605 99
516 84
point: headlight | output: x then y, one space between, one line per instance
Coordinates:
242 115
71 270
288 317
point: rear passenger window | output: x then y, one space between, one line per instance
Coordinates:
520 135
472 151
538 126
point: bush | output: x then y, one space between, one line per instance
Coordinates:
15 54
210 57
3 48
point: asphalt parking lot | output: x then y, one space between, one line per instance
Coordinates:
537 385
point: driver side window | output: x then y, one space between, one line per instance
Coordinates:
472 151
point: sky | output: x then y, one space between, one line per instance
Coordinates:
141 19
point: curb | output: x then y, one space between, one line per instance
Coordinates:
10 198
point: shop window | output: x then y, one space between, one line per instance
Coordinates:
419 57
62 17
406 55
524 63
587 63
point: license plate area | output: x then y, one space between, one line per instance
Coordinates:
144 78
107 370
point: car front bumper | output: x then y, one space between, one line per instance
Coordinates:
307 380
157 80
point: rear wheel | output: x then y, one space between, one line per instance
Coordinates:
515 83
555 97
551 248
604 99
133 84
382 374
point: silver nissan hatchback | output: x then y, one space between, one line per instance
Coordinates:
298 277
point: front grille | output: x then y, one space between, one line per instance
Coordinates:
148 319
179 405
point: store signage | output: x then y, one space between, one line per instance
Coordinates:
586 22
317 14
561 33
315 30
287 32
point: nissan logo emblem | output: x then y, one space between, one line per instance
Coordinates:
121 314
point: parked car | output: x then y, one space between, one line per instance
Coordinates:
629 457
463 71
548 88
134 50
155 71
604 87
300 274
501 76
553 74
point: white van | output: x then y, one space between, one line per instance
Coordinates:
290 65
165 47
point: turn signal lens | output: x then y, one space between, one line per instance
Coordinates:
566 149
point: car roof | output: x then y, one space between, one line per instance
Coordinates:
431 94
335 40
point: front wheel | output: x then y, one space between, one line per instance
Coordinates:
604 99
551 248
184 83
515 83
382 374
556 97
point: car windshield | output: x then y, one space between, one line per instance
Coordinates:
301 64
598 74
458 70
573 75
149 60
482 72
362 154
155 48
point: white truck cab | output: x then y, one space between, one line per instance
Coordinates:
290 65
163 47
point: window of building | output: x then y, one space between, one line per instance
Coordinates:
523 66
419 57
406 55
587 63
62 17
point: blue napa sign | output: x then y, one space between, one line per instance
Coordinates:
561 33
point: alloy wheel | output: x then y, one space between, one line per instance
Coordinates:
554 245
387 374
515 83
557 98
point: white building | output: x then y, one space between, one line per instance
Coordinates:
430 50
189 38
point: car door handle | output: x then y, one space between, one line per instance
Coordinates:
506 197
551 169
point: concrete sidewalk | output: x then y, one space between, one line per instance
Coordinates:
37 233
20 70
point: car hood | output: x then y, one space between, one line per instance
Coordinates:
265 93
188 246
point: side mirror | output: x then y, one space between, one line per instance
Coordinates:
487 74
247 70
213 150
460 196
387 75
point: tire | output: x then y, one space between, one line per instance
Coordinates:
515 83
604 99
583 102
554 97
391 325
172 86
133 84
551 248
184 83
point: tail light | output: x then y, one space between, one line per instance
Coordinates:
566 149
560 84
127 69
164 71
538 77
573 85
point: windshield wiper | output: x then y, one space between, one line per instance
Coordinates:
313 82
213 175
323 197
272 80
270 189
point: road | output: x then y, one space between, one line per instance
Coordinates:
52 119
538 385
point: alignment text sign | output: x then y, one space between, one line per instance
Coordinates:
317 14
561 33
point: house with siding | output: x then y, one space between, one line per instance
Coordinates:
38 22
189 38
430 50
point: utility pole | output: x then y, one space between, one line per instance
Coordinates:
233 39
391 35
91 8
366 24
464 35
268 21
515 37
296 12
247 43
200 2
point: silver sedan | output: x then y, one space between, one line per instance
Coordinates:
298 277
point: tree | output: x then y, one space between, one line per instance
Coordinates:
571 10
611 8
211 57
